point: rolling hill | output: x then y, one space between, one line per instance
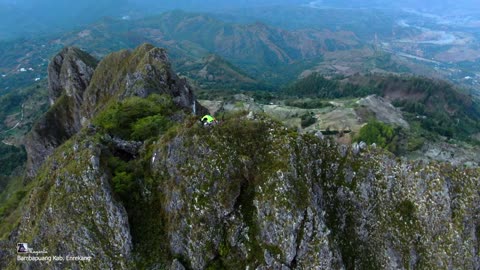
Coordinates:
214 72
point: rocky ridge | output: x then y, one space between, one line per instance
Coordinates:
273 199
78 89
249 193
141 72
69 74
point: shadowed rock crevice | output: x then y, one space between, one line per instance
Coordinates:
300 235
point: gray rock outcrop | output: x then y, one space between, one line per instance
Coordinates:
75 213
288 202
141 72
79 90
69 74
253 194
384 111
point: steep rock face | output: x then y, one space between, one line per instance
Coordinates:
265 198
251 193
243 204
71 209
78 92
73 212
69 74
144 71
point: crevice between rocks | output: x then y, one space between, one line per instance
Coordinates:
301 232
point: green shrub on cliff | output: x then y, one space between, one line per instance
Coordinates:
122 183
137 118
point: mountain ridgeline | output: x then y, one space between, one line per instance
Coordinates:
77 93
267 53
134 181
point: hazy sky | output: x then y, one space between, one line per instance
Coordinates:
216 4
419 4
72 6
30 17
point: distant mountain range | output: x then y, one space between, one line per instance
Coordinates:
266 46
212 72
256 47
260 50
28 18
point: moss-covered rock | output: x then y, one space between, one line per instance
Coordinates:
72 211
252 193
141 72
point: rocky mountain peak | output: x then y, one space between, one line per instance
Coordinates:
141 72
78 90
248 194
70 72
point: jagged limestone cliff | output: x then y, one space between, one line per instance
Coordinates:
246 194
252 193
142 72
69 74
78 90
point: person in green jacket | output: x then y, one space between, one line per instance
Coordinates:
208 120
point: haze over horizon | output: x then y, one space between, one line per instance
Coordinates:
26 18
